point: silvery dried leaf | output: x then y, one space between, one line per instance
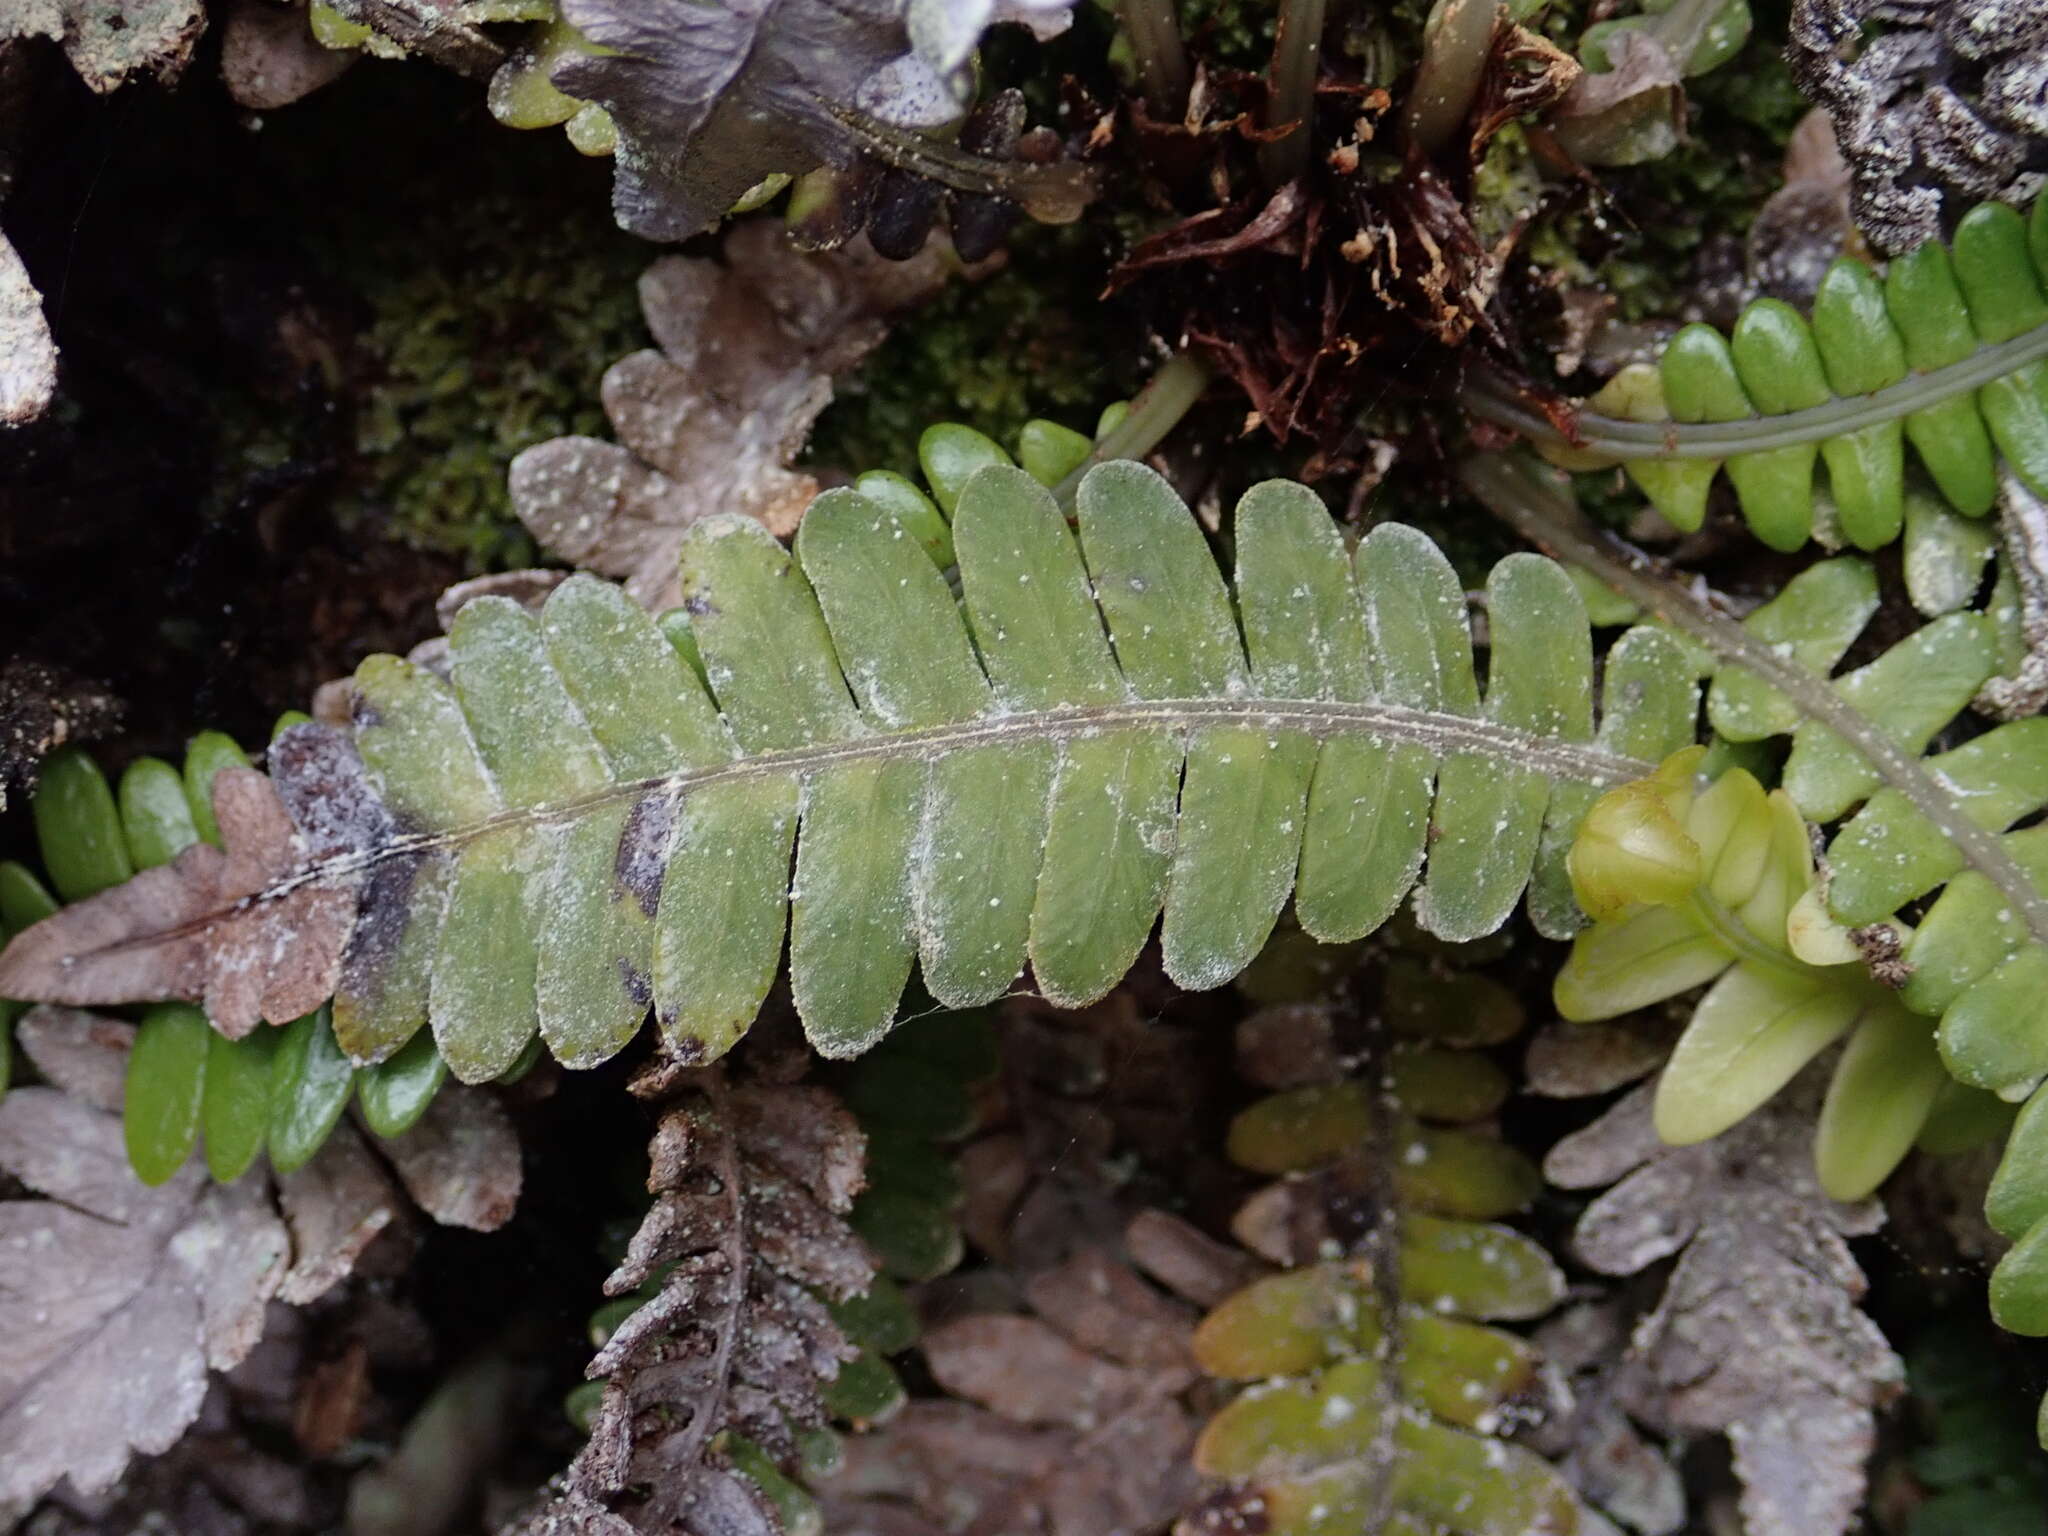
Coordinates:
710 101
1758 1335
115 1299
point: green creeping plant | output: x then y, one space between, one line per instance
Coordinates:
1691 885
587 820
1948 350
276 1092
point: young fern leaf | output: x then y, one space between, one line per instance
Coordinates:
1914 826
1978 957
1690 887
1947 351
580 824
1857 741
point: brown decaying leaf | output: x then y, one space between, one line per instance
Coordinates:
1072 1423
1596 1446
115 1300
1805 225
460 1163
1626 115
1289 1045
335 1207
269 57
1757 1335
1526 74
1568 1060
85 1054
709 422
276 960
751 1184
1186 1260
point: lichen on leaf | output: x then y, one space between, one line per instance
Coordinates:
1757 1335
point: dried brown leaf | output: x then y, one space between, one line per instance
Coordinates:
1103 1306
1757 1335
961 1470
1027 1371
460 1163
1597 1447
1288 1045
1632 113
1570 1060
1186 1260
85 1054
335 1207
751 1186
175 931
115 1299
709 422
1804 226
1078 1428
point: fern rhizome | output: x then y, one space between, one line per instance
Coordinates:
588 818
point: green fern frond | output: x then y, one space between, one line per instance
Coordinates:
1375 1387
1945 351
579 823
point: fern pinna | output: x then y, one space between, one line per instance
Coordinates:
1948 351
587 819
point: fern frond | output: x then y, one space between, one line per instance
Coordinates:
711 1380
580 824
1374 1385
1945 351
1910 826
1978 956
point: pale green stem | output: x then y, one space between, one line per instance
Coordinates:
1614 438
1154 31
1455 45
1291 93
1155 411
